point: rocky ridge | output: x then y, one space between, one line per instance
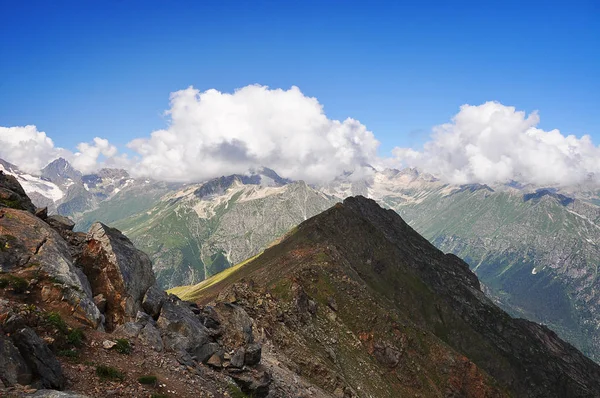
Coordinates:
65 293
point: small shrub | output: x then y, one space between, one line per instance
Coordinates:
69 354
75 337
148 380
19 285
159 395
55 320
13 204
3 283
109 373
88 363
123 346
235 392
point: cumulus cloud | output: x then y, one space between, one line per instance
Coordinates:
213 133
31 150
27 147
496 143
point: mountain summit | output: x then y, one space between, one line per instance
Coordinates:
357 301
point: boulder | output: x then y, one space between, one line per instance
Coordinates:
118 271
204 353
253 354
42 362
153 301
150 336
129 329
12 194
32 242
13 368
42 213
237 360
235 324
60 223
254 383
180 328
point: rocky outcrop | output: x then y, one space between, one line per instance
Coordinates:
118 271
30 242
13 368
42 362
12 194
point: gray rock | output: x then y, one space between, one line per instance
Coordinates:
204 353
42 213
129 329
13 368
12 194
60 223
180 328
255 384
237 360
253 354
117 270
153 301
235 322
150 336
39 358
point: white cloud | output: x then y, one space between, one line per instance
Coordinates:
31 150
496 143
27 147
213 134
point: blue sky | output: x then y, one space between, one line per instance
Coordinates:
80 69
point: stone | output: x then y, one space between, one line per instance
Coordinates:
180 328
253 354
108 344
12 194
129 329
185 359
60 223
237 359
13 368
153 301
150 336
32 241
255 384
42 213
118 271
39 358
204 352
216 360
235 323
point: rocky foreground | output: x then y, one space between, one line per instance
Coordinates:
82 312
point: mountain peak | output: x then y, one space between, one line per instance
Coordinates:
60 171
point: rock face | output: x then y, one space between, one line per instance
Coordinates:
13 368
118 271
28 241
39 358
12 194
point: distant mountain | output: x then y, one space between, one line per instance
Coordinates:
535 249
202 229
356 301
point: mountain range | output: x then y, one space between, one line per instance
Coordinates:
351 303
534 248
